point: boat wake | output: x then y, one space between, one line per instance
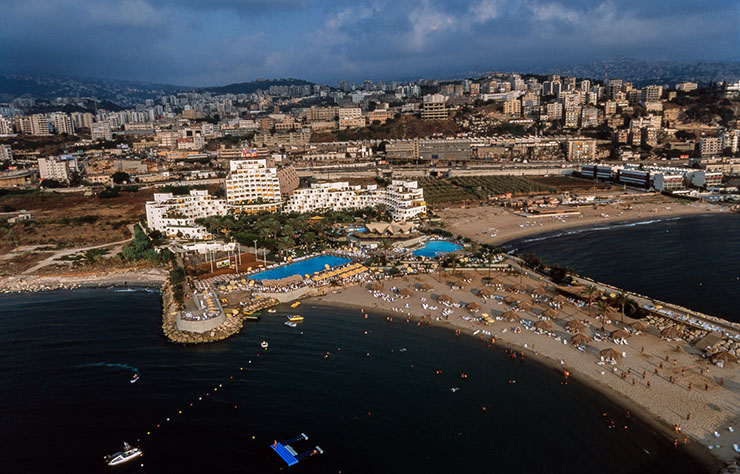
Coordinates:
113 366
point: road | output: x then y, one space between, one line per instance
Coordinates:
54 258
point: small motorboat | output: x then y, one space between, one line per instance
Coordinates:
291 324
296 304
134 378
264 345
454 389
272 311
295 318
129 452
252 317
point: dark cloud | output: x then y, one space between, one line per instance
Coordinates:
220 41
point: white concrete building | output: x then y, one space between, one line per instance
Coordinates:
404 199
334 196
250 181
175 216
57 168
101 131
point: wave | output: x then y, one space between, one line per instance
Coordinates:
599 228
111 365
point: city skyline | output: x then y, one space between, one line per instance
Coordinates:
185 43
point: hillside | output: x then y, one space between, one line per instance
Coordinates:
254 86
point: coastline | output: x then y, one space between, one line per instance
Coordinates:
475 222
149 277
664 430
654 406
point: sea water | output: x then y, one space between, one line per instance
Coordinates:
365 391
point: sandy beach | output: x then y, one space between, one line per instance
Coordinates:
497 225
667 383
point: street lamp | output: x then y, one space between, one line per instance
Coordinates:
255 251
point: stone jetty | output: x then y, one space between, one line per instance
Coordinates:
230 327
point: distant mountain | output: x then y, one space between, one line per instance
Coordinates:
644 72
49 87
254 86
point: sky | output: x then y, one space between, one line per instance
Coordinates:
216 42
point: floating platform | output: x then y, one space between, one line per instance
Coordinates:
288 453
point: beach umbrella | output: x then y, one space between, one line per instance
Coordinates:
405 292
539 291
619 334
457 283
610 354
542 325
550 313
575 325
671 333
525 306
473 307
560 299
425 287
486 293
724 356
510 316
580 339
375 286
444 299
492 281
518 288
511 299
639 326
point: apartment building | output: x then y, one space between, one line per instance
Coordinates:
175 216
710 146
334 196
434 107
250 181
101 131
62 123
580 150
57 168
404 200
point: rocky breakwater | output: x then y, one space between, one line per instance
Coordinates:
688 333
231 326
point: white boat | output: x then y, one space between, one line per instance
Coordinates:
291 324
134 378
264 344
129 452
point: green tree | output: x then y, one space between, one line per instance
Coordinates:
590 292
120 177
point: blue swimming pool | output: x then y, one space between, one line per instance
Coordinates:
435 248
303 267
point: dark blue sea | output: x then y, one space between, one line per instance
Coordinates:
66 400
692 261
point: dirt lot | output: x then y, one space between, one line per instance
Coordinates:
70 220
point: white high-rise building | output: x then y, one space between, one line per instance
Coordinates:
57 168
62 123
250 181
101 131
6 126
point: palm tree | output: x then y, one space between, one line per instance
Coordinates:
590 292
603 307
622 299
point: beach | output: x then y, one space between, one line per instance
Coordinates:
497 225
691 394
